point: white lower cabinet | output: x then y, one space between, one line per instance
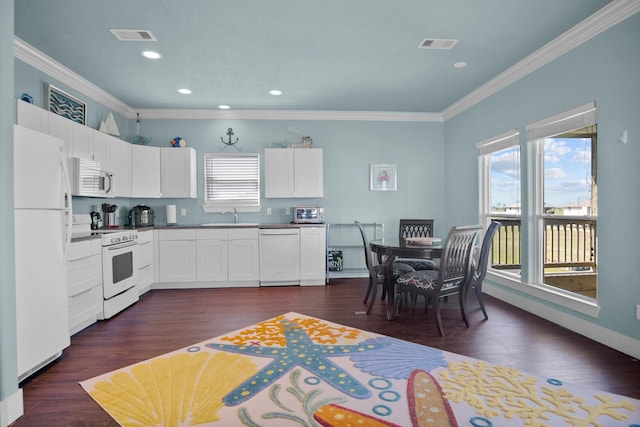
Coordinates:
212 255
243 254
177 255
208 258
84 279
313 242
144 261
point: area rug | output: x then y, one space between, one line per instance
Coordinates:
296 370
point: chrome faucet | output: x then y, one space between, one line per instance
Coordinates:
235 215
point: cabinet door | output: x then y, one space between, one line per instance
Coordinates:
244 258
308 173
178 172
122 170
32 117
80 143
177 259
212 260
103 150
312 256
145 171
278 172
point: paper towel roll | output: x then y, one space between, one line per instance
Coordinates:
171 215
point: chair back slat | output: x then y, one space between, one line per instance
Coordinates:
454 263
415 228
482 262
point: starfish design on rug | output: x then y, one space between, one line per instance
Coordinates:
300 351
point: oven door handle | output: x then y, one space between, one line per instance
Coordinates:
117 247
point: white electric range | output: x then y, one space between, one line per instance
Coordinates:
119 251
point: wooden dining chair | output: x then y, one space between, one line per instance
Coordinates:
376 269
480 264
451 277
416 228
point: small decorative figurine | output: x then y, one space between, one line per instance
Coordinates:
178 142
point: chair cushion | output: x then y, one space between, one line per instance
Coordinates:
422 281
421 264
398 270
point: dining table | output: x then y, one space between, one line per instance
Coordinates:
389 250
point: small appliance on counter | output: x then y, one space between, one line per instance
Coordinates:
141 216
95 218
171 215
109 215
308 215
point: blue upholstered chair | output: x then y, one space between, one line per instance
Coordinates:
452 275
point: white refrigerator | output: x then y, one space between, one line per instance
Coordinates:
42 202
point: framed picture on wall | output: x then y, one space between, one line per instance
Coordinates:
382 177
65 105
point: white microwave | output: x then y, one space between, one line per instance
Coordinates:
88 179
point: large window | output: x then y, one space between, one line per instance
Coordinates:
565 187
231 181
501 199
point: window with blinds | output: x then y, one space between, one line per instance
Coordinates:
232 180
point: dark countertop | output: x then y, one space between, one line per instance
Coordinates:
205 226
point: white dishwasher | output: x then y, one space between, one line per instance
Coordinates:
279 256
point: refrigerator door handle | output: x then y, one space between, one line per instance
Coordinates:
68 202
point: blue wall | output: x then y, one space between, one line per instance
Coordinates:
604 69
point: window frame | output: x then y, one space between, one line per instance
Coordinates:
487 148
252 204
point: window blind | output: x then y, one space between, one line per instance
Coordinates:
500 142
232 179
576 118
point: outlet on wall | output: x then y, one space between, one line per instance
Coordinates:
183 212
268 211
638 311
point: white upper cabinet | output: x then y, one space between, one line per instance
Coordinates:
293 173
178 172
145 171
122 171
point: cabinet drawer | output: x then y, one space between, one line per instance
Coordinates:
84 249
84 309
84 273
145 236
145 254
211 234
185 234
145 276
244 233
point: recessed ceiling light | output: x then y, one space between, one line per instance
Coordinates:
460 64
223 107
151 54
275 92
184 91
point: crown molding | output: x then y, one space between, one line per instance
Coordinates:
607 17
381 116
32 56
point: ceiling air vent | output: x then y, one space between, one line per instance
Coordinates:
134 35
437 44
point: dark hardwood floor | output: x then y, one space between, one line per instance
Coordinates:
166 320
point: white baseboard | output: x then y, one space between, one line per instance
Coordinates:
11 409
615 340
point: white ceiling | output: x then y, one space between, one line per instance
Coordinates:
330 55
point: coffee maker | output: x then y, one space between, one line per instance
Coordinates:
109 215
95 218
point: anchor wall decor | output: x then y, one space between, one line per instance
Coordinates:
229 134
